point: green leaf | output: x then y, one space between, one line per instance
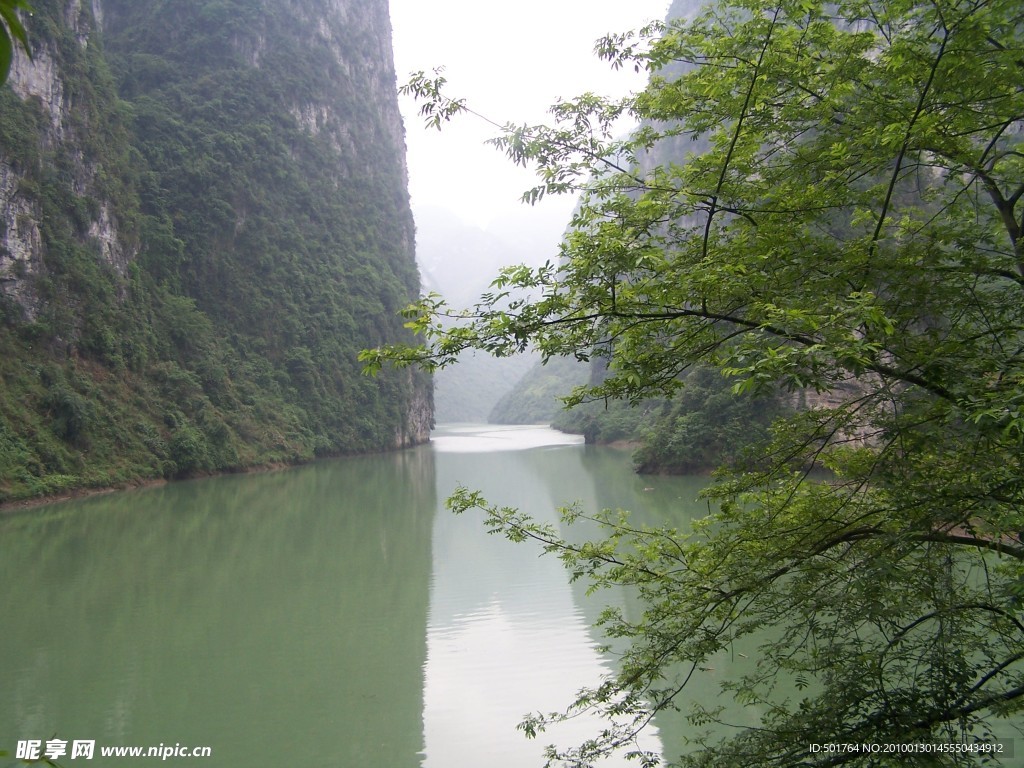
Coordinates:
6 54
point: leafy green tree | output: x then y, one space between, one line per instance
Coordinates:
11 31
853 232
705 425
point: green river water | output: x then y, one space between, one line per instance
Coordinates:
330 614
333 614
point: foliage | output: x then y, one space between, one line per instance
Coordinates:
705 425
853 233
611 421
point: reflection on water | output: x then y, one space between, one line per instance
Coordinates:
277 618
332 614
471 438
506 636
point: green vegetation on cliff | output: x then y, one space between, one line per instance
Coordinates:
704 424
219 196
12 33
535 398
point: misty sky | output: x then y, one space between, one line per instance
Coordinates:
510 61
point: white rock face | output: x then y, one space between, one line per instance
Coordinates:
22 257
20 243
38 78
104 231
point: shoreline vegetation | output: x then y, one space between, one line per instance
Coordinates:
13 506
16 506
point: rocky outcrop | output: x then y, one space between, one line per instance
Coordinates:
39 78
419 416
20 244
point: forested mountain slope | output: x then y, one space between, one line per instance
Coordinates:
204 218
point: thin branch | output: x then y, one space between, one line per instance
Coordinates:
737 131
918 111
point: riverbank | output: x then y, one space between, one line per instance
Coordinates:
16 505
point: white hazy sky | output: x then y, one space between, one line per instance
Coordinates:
511 61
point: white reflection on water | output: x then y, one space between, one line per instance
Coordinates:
506 634
473 438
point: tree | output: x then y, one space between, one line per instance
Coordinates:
11 31
854 229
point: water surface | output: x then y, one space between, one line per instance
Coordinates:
331 614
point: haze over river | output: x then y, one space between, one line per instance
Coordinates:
332 614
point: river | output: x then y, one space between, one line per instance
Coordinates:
329 614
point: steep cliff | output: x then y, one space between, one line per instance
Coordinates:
204 218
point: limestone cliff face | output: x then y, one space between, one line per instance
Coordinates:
368 65
350 104
358 37
20 244
203 217
356 34
43 81
419 417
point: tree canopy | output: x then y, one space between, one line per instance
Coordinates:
850 229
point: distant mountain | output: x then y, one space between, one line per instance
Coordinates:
459 261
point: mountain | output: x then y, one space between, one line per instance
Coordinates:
459 261
204 217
